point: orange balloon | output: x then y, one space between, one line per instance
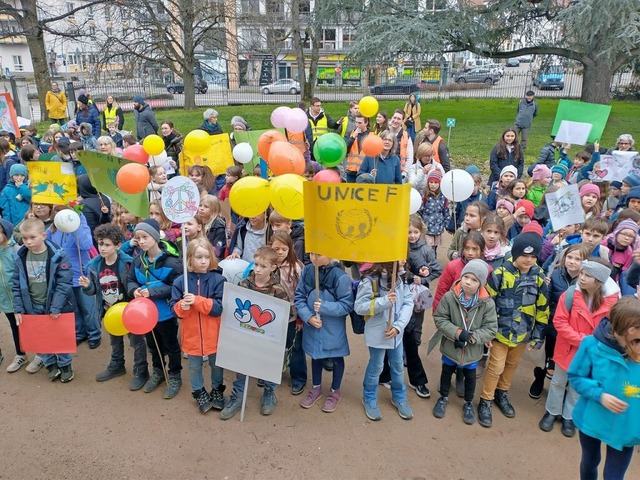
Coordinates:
285 158
372 145
265 141
132 178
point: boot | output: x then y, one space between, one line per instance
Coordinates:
535 391
484 413
202 398
502 400
217 397
547 421
173 387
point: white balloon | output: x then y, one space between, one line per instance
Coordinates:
457 185
158 160
243 153
415 201
67 221
233 269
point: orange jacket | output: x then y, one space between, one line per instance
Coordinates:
198 330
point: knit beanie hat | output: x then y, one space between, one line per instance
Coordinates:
7 227
528 206
138 99
561 169
509 168
478 268
435 175
540 171
589 188
534 227
626 225
503 202
471 169
633 193
239 121
17 169
83 99
633 180
151 227
526 243
596 270
616 184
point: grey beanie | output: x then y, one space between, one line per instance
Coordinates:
151 227
478 268
596 270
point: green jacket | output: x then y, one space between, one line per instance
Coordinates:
535 194
481 322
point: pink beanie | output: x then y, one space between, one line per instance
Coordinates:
589 188
503 202
541 171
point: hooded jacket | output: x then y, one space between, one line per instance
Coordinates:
15 201
601 366
90 115
146 123
297 236
74 244
7 267
92 205
421 255
122 265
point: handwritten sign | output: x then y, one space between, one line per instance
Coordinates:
565 207
180 199
52 182
218 157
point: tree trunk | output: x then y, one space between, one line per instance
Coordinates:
298 43
596 83
35 42
310 84
188 63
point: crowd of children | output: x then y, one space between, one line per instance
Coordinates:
514 283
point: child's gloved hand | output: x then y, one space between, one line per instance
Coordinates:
464 336
459 344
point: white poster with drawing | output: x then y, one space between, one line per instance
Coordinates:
575 133
253 333
618 165
565 207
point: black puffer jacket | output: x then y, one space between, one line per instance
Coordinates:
92 205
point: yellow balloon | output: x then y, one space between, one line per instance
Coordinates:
153 145
287 195
113 320
197 141
249 196
368 106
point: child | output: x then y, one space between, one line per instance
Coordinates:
41 211
193 228
496 246
590 200
263 279
168 230
381 336
152 276
158 179
128 140
16 195
499 189
517 190
579 311
324 331
215 225
473 218
504 209
540 180
553 242
42 284
621 247
435 210
233 174
107 280
251 234
203 178
199 313
115 135
612 201
466 319
519 290
278 223
559 173
124 220
310 170
603 373
632 200
579 161
523 215
477 195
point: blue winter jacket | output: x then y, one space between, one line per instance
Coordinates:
388 170
435 213
92 117
13 209
92 270
336 296
70 242
601 366
208 285
560 282
7 267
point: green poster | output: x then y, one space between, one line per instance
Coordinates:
326 73
575 111
251 137
351 74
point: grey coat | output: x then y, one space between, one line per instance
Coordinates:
526 112
146 123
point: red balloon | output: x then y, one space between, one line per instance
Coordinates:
140 316
327 176
136 153
265 141
372 145
132 178
285 158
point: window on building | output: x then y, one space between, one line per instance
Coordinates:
18 66
92 31
329 39
275 6
70 7
305 6
250 6
107 13
109 32
348 38
275 38
90 12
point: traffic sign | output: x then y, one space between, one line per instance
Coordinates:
451 122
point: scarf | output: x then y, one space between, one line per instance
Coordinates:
55 90
492 253
467 303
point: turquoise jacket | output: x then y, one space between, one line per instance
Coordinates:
600 366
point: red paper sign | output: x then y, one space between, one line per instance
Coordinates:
44 334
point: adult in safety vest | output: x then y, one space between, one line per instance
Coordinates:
112 115
355 156
319 123
403 146
430 133
348 123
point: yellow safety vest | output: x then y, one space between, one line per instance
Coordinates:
320 127
110 115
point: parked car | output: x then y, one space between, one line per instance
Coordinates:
496 68
549 77
526 59
201 87
512 62
399 85
478 75
284 85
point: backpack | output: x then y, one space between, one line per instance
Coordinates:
568 298
358 321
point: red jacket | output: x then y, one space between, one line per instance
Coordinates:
573 326
450 274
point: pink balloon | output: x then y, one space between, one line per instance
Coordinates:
327 176
279 115
296 120
136 153
140 316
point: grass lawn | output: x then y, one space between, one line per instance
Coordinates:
480 123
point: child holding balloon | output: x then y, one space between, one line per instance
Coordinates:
106 279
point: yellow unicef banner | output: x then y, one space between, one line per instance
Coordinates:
218 158
357 222
52 182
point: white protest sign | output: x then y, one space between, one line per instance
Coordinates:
253 333
617 165
576 133
180 199
565 207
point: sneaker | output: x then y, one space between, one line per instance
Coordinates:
404 410
54 372
18 362
203 400
459 383
327 364
568 428
468 414
297 389
372 411
312 397
138 381
35 365
421 390
66 374
502 400
173 387
217 397
231 408
484 413
268 401
154 381
440 407
332 401
386 385
185 356
547 422
93 344
108 374
260 383
535 391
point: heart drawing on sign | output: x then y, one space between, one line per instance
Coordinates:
261 317
602 173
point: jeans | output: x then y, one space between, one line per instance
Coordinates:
140 365
503 362
615 464
561 397
196 376
415 369
524 136
238 385
374 369
15 333
297 360
87 322
338 372
166 334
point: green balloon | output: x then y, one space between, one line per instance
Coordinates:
330 150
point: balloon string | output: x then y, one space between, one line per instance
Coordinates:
164 370
79 255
